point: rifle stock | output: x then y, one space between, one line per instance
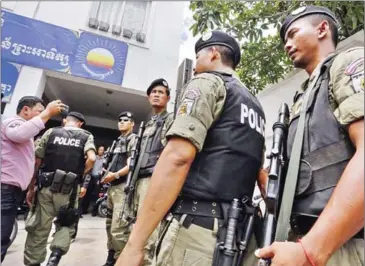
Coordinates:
276 179
106 159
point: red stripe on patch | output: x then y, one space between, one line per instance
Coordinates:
350 69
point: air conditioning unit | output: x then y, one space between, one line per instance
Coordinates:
116 30
185 73
141 37
93 23
104 26
127 33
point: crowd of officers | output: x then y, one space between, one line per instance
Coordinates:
192 164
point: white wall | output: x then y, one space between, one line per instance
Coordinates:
283 91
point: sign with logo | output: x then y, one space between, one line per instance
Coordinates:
35 43
9 78
100 58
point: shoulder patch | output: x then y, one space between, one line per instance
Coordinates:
358 82
352 67
192 94
186 107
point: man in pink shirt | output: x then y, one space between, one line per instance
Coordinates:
18 158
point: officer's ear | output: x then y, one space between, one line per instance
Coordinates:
323 29
215 54
81 124
64 121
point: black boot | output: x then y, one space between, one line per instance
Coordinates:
55 257
110 261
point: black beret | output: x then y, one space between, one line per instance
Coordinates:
220 38
77 115
127 114
302 12
158 82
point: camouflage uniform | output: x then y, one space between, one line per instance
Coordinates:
143 183
117 229
47 206
346 100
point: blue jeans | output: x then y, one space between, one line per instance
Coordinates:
10 195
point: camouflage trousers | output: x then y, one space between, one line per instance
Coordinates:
350 254
118 230
47 207
180 246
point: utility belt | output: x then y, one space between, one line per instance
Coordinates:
58 181
200 213
302 224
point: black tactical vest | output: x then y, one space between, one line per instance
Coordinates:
65 150
228 165
154 147
325 153
120 156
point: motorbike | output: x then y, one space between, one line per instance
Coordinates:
100 206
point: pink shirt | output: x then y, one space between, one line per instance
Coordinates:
17 150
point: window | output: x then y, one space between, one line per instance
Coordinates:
123 18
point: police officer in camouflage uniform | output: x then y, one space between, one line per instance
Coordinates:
152 144
118 229
213 155
63 155
328 210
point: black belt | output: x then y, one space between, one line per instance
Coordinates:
198 208
301 225
205 222
11 187
119 181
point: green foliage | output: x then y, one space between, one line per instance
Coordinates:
263 59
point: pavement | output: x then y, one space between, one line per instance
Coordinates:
89 248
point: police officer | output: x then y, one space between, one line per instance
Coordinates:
213 155
64 154
153 142
117 229
328 210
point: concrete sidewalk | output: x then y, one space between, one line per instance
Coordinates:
89 249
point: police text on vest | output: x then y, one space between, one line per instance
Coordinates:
252 117
67 141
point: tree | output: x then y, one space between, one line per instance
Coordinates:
256 25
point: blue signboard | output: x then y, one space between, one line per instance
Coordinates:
100 58
9 77
34 43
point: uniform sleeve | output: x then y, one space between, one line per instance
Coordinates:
167 125
89 145
200 105
131 144
347 85
40 149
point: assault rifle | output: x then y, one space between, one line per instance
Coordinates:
106 159
276 180
132 174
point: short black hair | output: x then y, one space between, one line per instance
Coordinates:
29 101
318 18
227 55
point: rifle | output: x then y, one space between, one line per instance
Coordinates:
132 175
276 178
232 250
106 159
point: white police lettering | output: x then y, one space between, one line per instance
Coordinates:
254 120
67 141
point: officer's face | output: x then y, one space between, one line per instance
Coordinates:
302 42
125 124
158 97
203 60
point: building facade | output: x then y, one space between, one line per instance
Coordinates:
148 32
